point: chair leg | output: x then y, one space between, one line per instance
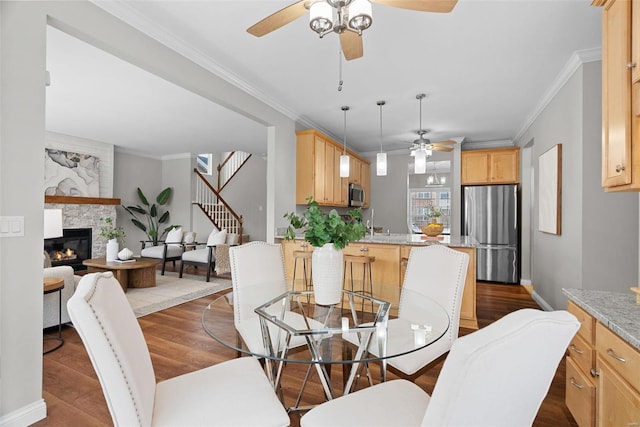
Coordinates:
163 265
181 268
208 272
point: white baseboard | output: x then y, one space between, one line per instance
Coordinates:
541 302
26 415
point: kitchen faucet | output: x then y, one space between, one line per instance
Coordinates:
372 223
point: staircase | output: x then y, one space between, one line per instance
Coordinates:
209 200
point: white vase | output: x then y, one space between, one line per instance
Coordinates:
327 274
112 249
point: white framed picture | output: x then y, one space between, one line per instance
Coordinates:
549 190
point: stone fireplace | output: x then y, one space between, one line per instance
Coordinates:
85 213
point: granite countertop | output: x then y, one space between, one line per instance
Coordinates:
414 239
615 310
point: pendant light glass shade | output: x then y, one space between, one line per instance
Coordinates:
381 164
344 159
344 166
420 165
381 158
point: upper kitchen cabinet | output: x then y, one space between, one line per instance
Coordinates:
620 94
318 170
499 166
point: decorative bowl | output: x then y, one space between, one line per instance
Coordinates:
433 229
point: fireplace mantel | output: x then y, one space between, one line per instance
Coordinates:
73 200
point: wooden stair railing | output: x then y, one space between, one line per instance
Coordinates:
213 205
230 166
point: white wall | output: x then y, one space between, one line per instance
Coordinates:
22 138
585 255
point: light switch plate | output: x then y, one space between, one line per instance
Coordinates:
11 226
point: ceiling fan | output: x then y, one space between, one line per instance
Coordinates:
348 18
425 145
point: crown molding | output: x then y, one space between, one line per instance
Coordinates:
502 143
122 10
574 63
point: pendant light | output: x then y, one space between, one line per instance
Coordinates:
344 158
381 158
423 151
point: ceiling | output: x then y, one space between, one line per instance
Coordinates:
486 68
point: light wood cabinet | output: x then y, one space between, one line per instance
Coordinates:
620 94
318 170
388 273
499 166
603 375
580 388
618 380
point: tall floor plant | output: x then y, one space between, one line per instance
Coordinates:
151 215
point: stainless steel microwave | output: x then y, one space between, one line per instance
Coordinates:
356 195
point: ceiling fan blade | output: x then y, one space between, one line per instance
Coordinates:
278 19
441 6
438 148
351 44
449 142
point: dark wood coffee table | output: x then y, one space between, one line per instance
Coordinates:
138 274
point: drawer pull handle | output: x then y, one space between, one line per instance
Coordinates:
575 384
576 349
594 373
611 353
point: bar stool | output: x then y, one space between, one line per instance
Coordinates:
305 258
365 261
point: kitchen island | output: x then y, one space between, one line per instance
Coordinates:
391 252
603 361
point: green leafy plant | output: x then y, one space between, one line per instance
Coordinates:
108 231
151 215
320 228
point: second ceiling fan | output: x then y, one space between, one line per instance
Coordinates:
347 18
425 145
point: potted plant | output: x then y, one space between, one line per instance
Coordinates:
152 215
114 236
328 233
435 215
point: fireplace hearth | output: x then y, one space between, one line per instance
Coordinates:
71 249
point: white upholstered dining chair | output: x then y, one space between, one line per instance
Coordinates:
497 376
257 276
233 393
438 273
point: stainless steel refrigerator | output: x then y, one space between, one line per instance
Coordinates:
491 214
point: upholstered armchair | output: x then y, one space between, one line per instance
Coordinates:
50 308
169 250
214 256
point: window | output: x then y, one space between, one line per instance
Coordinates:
204 163
423 203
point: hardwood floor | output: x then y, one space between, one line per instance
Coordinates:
179 345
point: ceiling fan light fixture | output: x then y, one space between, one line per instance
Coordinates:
321 17
360 15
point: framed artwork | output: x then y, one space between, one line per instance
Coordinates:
550 190
71 174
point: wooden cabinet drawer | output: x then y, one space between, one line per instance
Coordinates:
618 403
580 395
582 354
622 357
587 322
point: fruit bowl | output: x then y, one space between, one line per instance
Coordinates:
433 229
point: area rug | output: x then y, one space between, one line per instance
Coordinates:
171 291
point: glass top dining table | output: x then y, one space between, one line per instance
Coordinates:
351 333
